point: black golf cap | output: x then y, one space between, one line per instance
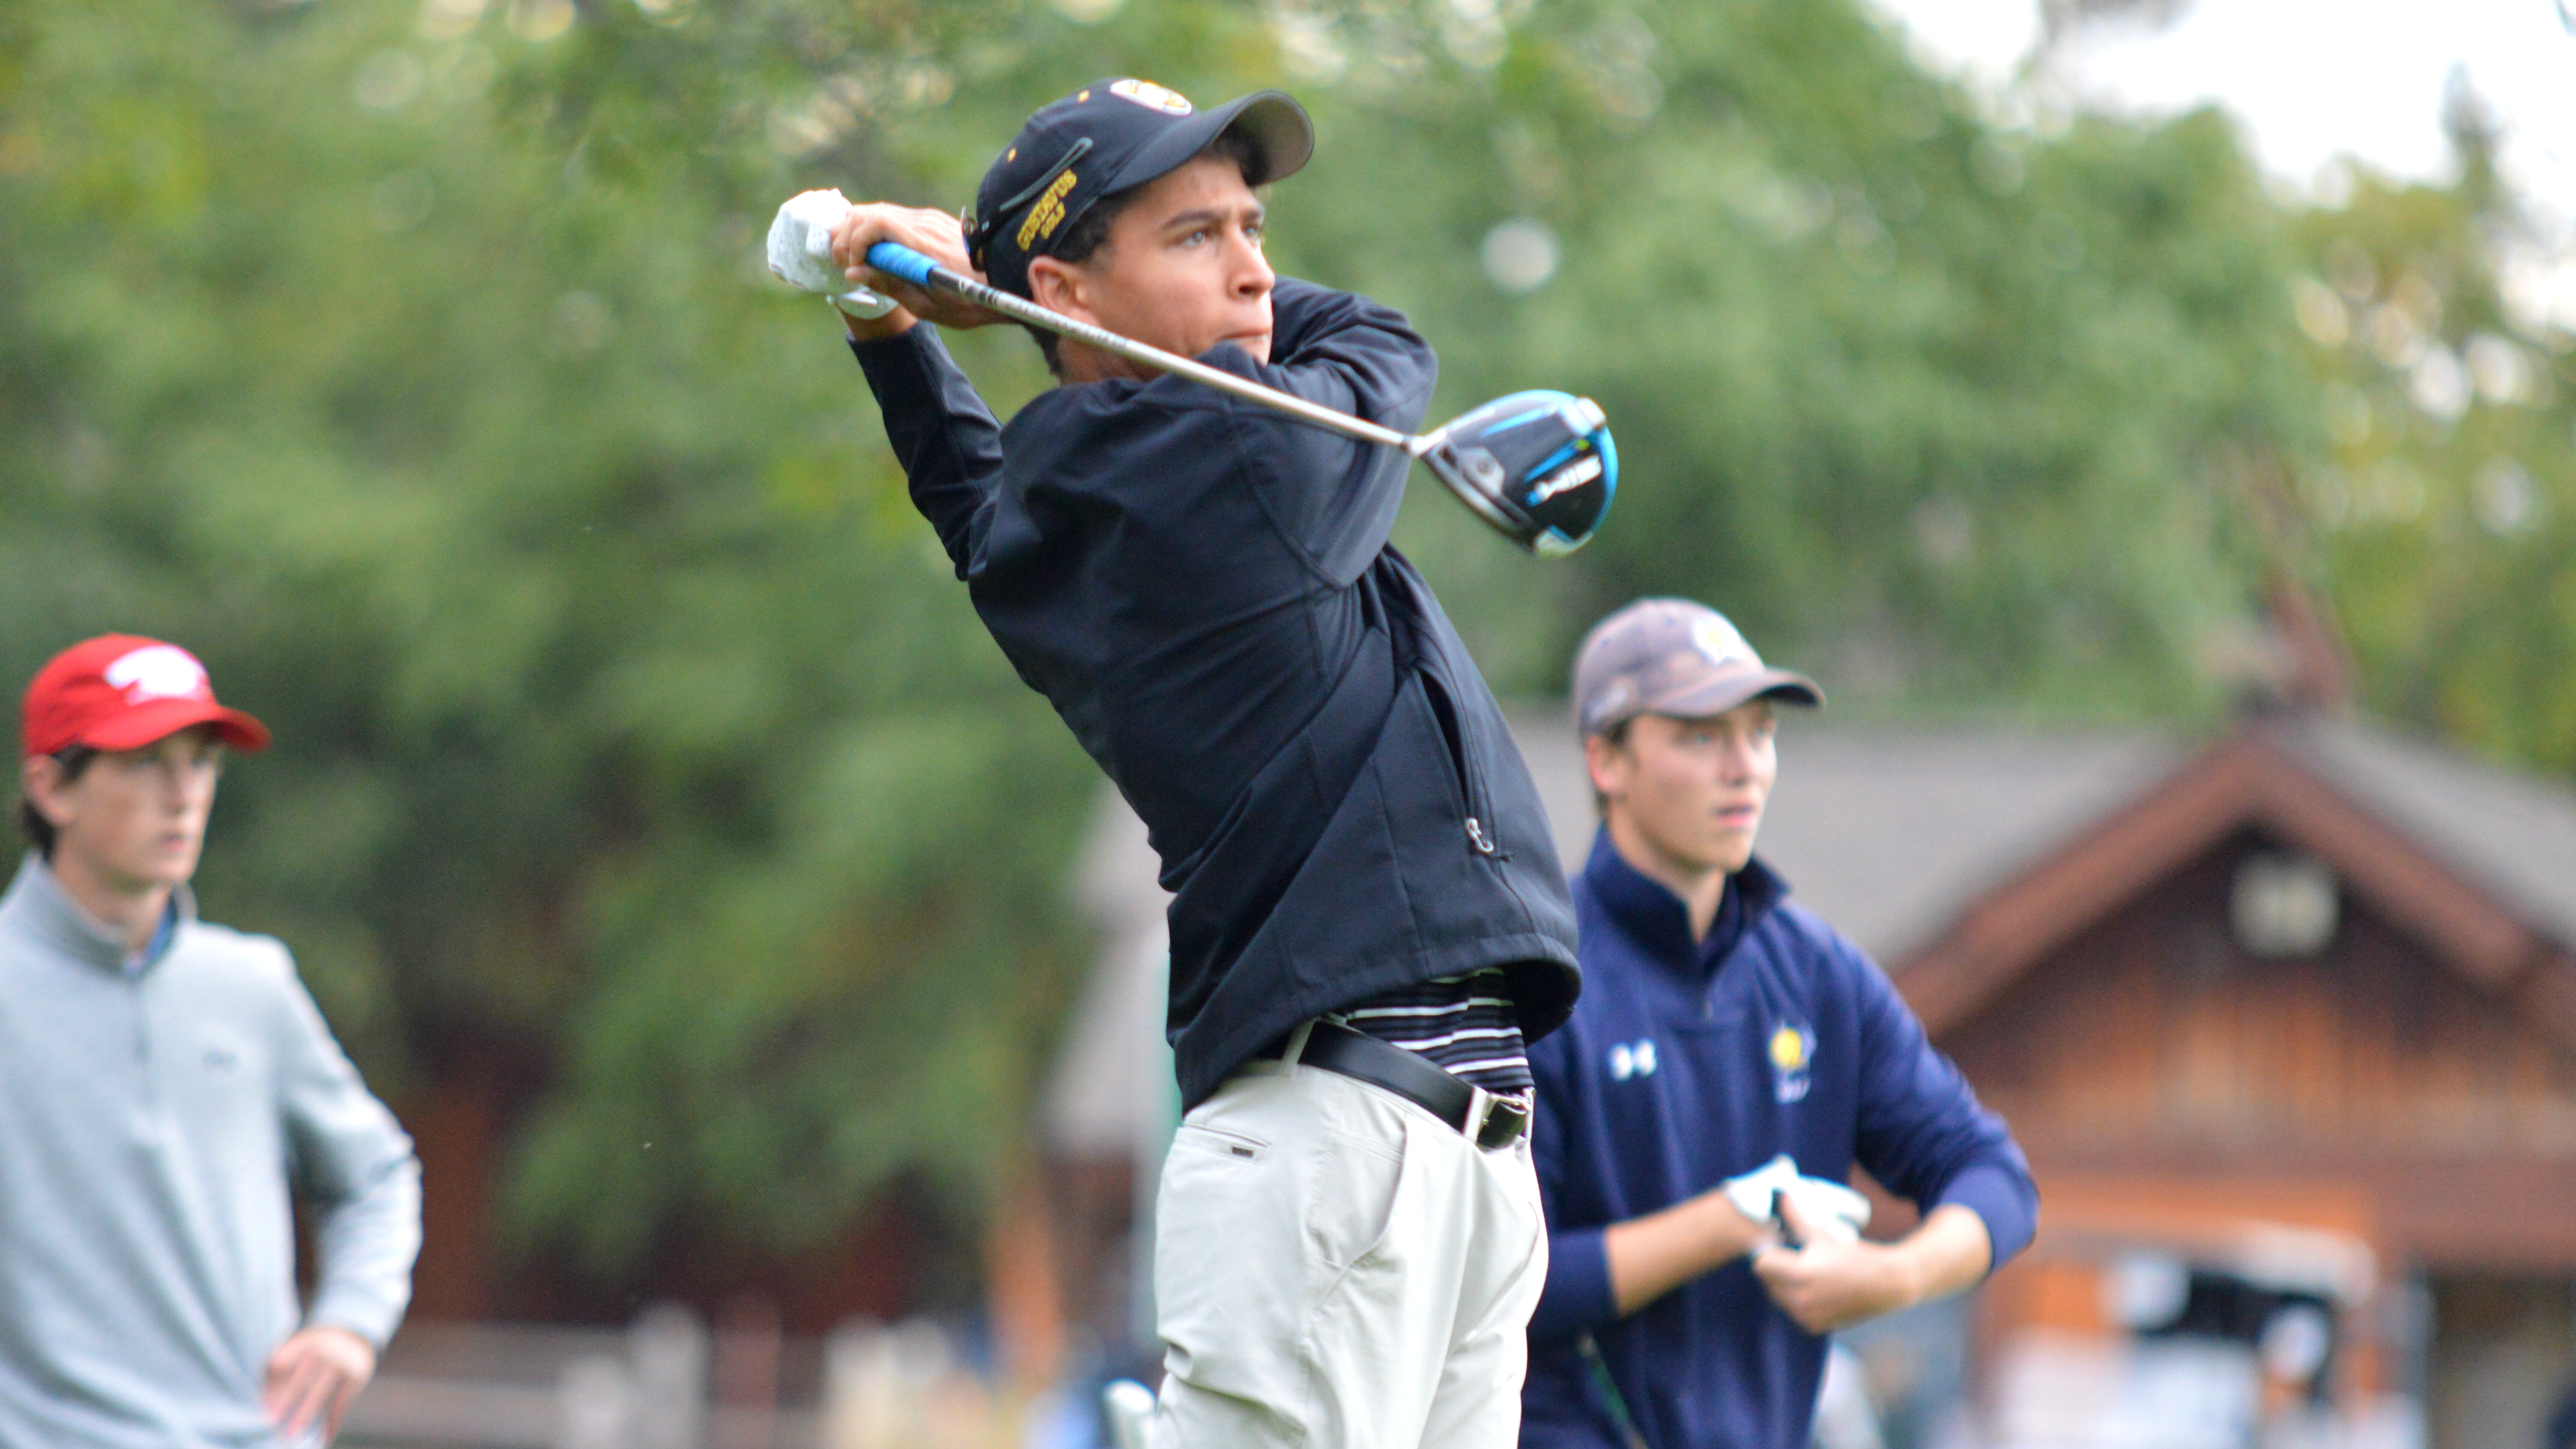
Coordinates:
1104 138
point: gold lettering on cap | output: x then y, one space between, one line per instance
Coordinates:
1151 96
1048 213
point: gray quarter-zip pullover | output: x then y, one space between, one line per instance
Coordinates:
156 1121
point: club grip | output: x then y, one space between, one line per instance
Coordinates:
896 259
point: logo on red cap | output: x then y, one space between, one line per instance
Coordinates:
159 671
122 692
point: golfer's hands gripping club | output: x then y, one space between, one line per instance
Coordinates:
1538 466
800 253
934 234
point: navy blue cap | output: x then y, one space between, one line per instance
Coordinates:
1104 138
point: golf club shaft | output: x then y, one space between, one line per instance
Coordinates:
899 260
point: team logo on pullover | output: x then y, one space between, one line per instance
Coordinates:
1793 1048
1632 1059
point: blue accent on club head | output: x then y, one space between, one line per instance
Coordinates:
1525 408
1554 542
1524 420
1556 480
899 260
1548 464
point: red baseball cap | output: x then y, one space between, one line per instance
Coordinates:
122 692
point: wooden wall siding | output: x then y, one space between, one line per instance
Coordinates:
2150 1045
2245 782
2458 1212
2154 1026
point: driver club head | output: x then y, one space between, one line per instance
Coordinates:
1538 466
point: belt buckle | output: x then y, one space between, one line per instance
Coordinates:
1496 1122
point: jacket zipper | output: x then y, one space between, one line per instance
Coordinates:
1453 735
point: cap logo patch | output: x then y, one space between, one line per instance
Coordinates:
160 671
1719 643
1047 213
1153 97
1612 697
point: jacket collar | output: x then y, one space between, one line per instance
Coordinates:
37 906
1657 919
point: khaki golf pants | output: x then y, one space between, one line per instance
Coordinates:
1336 1268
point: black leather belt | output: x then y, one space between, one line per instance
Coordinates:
1384 1064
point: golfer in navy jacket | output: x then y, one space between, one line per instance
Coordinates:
1367 922
1721 1025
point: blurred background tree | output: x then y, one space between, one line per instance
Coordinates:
413 361
2439 512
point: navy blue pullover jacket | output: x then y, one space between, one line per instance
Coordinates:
1685 1065
1204 590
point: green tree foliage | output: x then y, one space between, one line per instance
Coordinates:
2441 508
1927 400
627 725
1928 396
413 360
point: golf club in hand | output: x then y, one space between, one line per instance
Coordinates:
1538 466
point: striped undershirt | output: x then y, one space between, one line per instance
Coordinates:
1463 1024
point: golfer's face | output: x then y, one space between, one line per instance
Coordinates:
1183 269
137 818
1693 789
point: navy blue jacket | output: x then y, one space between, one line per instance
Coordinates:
1685 1065
1204 590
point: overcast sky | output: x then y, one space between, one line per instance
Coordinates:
2312 80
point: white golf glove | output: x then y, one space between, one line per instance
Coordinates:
800 252
1829 1207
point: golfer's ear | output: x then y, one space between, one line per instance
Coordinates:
1601 762
40 782
1058 288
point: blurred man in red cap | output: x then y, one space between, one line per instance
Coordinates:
166 1089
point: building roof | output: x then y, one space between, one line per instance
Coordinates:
2510 833
1888 832
1898 834
1891 832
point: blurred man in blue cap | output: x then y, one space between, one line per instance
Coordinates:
1368 923
1732 1059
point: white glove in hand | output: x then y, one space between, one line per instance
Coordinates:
1829 1207
800 252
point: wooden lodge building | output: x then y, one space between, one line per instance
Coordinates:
2285 1018
2286 1021
2306 993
